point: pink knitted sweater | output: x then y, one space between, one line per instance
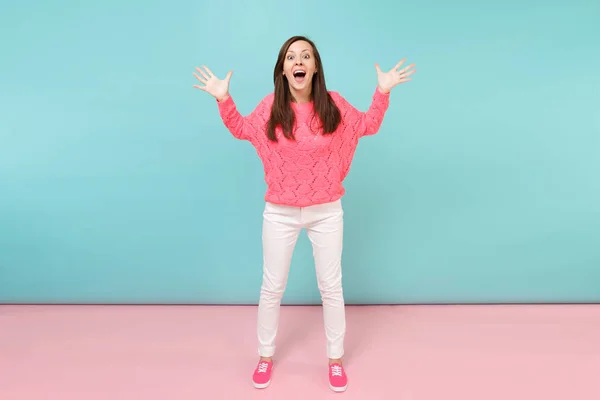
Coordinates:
310 169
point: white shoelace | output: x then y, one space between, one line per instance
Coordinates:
262 367
336 370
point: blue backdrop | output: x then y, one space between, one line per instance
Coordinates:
119 183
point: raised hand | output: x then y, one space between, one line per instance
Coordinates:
218 88
387 80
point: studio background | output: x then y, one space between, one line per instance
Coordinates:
120 184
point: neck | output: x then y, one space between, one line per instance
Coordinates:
301 96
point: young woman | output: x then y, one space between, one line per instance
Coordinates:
306 137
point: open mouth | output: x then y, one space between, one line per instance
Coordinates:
299 76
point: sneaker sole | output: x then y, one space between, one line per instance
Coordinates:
261 385
338 389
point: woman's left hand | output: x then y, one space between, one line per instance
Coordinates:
387 80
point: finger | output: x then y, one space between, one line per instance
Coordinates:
202 73
199 87
404 80
408 73
377 68
403 70
399 64
228 76
200 79
209 71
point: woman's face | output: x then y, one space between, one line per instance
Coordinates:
299 67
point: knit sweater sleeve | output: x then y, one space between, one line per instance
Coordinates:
363 123
246 127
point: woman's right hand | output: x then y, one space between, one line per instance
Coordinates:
214 86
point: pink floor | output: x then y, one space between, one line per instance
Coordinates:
392 352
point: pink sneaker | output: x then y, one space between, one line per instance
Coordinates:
262 374
338 381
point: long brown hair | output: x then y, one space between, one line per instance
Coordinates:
282 113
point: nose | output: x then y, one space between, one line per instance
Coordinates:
299 61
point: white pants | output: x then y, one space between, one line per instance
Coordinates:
281 227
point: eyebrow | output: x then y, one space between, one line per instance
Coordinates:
290 51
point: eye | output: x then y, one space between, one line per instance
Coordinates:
306 56
290 57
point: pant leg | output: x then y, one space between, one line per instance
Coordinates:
281 227
325 228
